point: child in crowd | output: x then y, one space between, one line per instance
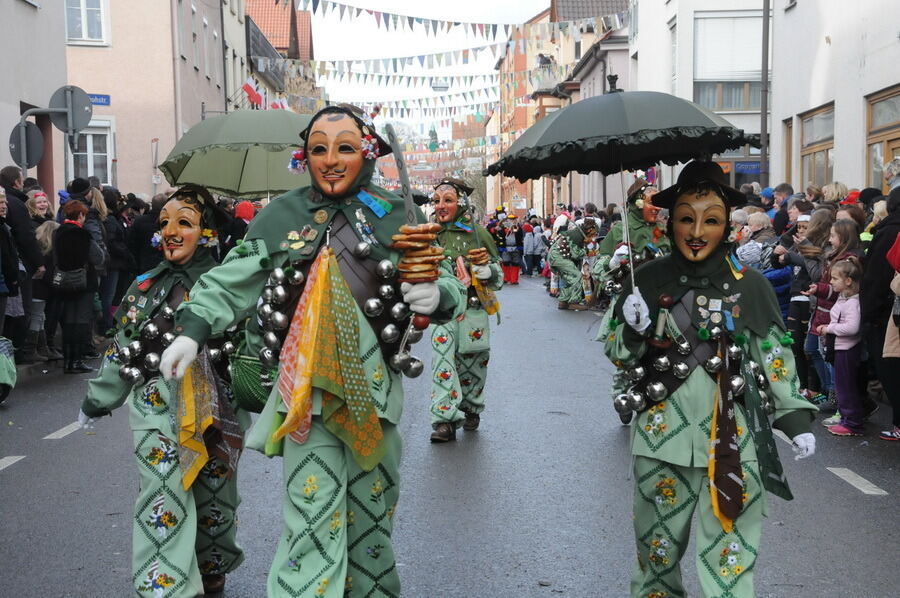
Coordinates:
845 277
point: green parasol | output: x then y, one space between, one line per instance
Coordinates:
242 154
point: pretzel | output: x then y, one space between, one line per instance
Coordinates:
404 266
426 259
428 227
415 237
410 244
430 251
418 280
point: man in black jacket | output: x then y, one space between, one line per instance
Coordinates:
780 222
19 222
146 256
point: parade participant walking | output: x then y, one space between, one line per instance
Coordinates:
565 257
333 250
461 347
187 441
705 375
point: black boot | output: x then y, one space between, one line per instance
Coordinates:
68 360
30 353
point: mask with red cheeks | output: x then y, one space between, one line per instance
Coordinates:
698 224
446 203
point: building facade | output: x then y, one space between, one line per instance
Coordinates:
31 72
836 98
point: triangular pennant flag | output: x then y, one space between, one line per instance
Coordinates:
341 9
315 6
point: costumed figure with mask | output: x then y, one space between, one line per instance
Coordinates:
461 347
710 361
647 240
512 248
334 282
188 436
565 257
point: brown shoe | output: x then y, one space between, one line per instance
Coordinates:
577 306
214 584
562 305
472 421
444 432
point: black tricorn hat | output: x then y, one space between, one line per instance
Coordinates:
363 120
458 184
700 175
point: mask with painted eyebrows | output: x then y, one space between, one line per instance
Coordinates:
334 153
698 221
181 229
446 203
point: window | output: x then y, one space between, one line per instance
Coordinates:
727 70
215 61
883 135
84 21
673 55
578 50
817 146
94 155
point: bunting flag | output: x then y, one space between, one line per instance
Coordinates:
251 88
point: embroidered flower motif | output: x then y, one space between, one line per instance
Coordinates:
666 495
369 146
445 374
374 551
730 560
309 489
152 398
212 521
157 583
335 525
659 551
441 339
297 164
658 594
161 457
377 490
294 564
656 419
322 587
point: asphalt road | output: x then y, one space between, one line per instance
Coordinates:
535 503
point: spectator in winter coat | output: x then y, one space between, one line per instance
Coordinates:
9 262
780 220
757 250
141 233
120 262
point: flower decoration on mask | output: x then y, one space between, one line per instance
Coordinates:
208 238
369 147
297 165
156 241
732 235
639 203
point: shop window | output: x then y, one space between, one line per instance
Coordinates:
817 146
883 134
85 21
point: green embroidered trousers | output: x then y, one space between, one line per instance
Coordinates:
459 361
571 274
180 535
665 499
338 520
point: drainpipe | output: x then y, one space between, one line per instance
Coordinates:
173 9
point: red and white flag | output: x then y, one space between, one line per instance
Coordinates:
252 91
279 104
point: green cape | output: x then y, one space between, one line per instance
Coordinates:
640 232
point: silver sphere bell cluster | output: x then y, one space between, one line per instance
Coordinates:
274 299
398 329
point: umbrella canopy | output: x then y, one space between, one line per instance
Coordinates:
625 130
242 154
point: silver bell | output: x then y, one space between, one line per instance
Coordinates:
637 373
762 381
167 338
662 363
415 368
125 355
276 277
362 250
767 404
399 361
265 311
754 368
228 348
167 312
474 302
683 346
266 295
130 374
268 357
399 311
657 391
373 307
713 364
737 385
390 333
151 361
279 321
386 291
150 330
616 288
621 404
279 295
636 401
715 332
681 370
214 354
271 340
386 269
414 336
136 348
735 353
296 278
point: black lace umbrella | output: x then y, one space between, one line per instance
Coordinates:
625 130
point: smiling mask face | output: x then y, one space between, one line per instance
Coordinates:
334 152
179 225
446 203
698 224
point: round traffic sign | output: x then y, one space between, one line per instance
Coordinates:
34 145
81 108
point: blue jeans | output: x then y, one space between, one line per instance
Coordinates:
813 348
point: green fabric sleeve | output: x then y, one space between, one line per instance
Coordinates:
453 296
793 413
107 391
225 293
624 345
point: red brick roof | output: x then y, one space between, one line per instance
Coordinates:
274 20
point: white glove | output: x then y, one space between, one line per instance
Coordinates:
804 445
422 298
84 421
482 272
177 357
636 312
619 257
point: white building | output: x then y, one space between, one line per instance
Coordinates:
710 52
836 98
31 71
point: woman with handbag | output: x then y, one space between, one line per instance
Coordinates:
76 256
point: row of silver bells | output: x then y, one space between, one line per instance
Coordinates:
273 300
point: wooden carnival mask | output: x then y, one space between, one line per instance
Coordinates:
180 229
334 152
699 221
446 203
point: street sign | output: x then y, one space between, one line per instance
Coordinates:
79 107
99 99
34 145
